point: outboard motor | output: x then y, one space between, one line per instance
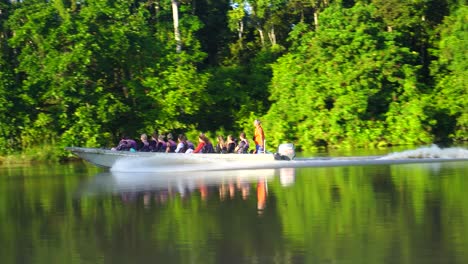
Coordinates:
286 151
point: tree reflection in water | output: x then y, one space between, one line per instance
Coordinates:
413 213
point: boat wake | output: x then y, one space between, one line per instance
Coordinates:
432 154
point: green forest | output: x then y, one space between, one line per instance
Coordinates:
319 73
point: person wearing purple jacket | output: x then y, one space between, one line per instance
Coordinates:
171 144
144 145
161 145
126 144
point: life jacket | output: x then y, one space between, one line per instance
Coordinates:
207 148
153 145
125 145
243 146
190 145
161 146
185 147
145 147
221 149
172 145
231 147
133 144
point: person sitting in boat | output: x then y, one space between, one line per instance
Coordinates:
161 145
243 146
221 145
144 145
171 144
183 146
230 144
204 145
153 143
126 144
190 145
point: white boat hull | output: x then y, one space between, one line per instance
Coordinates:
126 160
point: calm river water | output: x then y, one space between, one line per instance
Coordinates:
76 213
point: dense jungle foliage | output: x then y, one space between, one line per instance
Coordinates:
316 72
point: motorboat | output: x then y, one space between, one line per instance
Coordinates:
124 160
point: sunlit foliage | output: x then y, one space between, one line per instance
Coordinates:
320 73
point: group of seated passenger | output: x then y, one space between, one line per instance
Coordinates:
157 143
231 146
223 146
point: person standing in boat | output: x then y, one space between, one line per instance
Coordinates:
259 137
204 145
144 145
243 146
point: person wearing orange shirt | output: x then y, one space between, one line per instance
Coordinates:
259 137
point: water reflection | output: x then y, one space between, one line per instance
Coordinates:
158 188
412 213
287 176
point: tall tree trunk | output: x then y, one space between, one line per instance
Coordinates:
240 32
272 36
316 22
262 37
175 17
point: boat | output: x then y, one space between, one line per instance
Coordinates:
128 160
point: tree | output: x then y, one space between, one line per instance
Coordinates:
214 34
8 123
86 70
321 97
451 70
315 6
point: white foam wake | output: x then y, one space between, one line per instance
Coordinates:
432 152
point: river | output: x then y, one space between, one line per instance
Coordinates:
366 213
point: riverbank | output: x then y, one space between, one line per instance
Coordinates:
40 154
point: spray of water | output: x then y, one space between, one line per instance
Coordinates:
432 152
